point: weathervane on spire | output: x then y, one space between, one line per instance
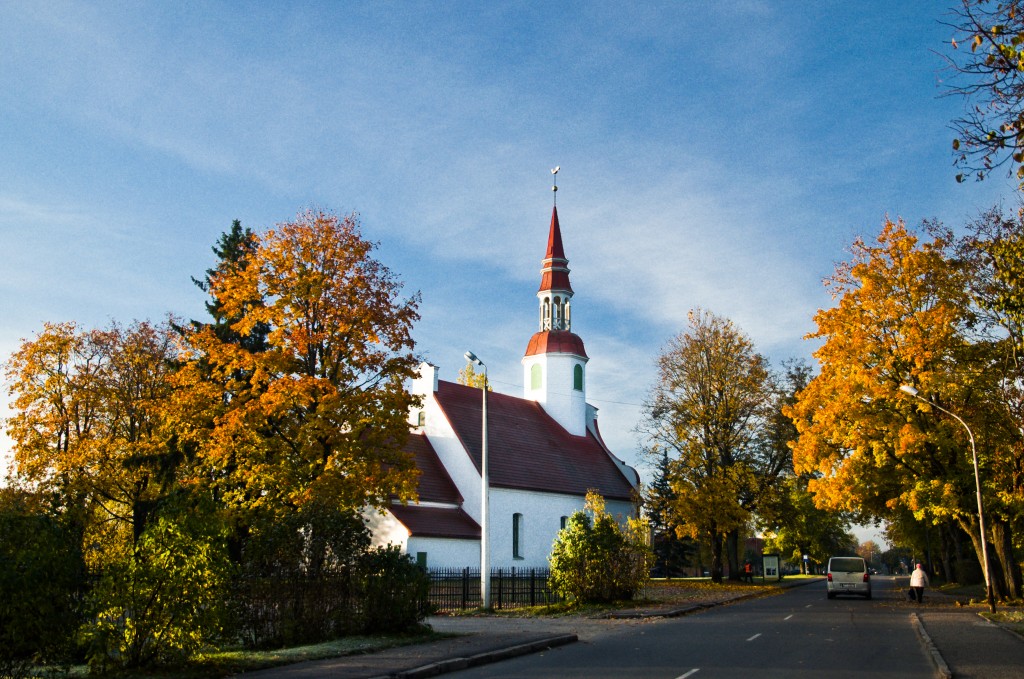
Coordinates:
554 187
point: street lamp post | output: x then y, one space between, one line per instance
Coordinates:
907 389
485 564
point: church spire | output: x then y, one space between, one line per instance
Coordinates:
555 359
555 292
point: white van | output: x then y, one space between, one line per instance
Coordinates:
848 575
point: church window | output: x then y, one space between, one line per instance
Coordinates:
421 559
577 377
568 317
535 376
546 315
562 521
421 419
517 536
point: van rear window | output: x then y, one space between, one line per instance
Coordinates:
846 565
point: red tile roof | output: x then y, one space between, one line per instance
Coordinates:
527 448
555 342
435 485
437 522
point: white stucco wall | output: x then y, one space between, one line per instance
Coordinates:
446 552
568 406
542 513
385 529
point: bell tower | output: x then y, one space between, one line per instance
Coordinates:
554 367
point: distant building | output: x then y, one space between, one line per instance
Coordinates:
544 450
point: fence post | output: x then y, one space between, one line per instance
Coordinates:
533 587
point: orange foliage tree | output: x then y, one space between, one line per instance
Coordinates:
904 315
318 411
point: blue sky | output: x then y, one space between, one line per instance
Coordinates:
714 155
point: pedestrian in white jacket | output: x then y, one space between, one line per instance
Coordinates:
918 581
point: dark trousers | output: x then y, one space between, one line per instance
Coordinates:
918 593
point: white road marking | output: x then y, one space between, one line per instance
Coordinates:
695 670
788 616
754 637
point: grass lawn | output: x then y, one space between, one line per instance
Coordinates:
216 664
228 662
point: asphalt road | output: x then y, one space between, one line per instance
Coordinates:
796 634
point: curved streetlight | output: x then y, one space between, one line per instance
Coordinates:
907 389
485 565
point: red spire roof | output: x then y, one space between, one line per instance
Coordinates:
554 269
555 250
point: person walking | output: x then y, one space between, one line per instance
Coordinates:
918 581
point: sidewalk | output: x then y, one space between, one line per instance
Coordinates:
967 646
486 639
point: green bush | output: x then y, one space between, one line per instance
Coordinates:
393 593
161 603
597 560
40 580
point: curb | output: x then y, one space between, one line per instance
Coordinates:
941 668
456 664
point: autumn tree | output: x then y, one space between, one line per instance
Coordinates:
471 378
992 254
90 423
988 65
317 414
903 316
708 410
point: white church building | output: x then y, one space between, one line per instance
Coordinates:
544 450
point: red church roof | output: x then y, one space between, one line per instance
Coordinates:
554 268
527 448
555 342
437 522
435 485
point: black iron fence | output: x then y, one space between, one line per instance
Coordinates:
458 589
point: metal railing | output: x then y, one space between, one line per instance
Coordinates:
458 589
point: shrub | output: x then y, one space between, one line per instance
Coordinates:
597 560
160 603
393 591
40 578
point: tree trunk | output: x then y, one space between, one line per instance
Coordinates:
995 570
732 541
716 558
1011 575
947 563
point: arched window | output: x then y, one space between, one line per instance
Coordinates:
517 536
564 520
556 321
545 317
568 316
577 377
535 376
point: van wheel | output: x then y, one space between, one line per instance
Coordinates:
831 595
868 595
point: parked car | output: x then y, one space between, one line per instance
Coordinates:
848 575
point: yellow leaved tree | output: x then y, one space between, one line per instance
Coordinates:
317 411
903 315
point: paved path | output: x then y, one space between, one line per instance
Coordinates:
964 645
971 646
